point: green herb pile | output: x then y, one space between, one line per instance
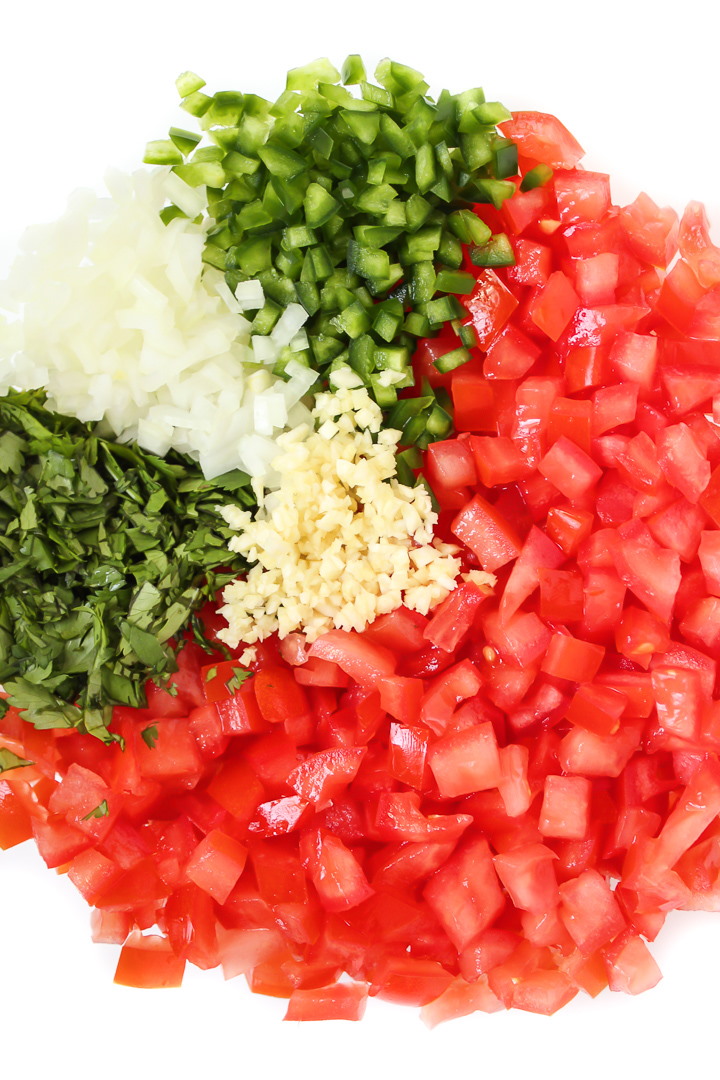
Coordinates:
105 554
356 207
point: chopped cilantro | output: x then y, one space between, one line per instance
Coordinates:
111 551
100 811
239 676
150 736
8 761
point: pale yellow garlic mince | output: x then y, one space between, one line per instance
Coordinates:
341 541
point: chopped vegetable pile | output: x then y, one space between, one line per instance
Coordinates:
106 552
475 788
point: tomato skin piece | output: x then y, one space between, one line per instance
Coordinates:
543 138
147 961
239 714
466 761
488 535
363 661
277 817
401 697
465 893
236 787
341 1001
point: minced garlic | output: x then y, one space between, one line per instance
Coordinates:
341 541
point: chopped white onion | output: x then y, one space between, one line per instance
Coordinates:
117 316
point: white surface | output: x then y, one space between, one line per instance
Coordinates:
85 85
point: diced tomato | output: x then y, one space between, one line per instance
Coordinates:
216 864
590 911
466 761
341 1001
528 875
651 232
465 893
570 658
569 468
553 305
490 305
147 961
15 823
487 534
401 630
542 138
565 810
453 618
538 553
630 966
364 662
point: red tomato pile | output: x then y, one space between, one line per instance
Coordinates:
495 806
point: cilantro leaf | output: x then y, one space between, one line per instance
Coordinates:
150 736
100 811
239 676
8 761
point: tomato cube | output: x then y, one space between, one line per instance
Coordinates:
569 468
630 965
466 761
553 305
565 810
216 864
572 659
590 911
487 533
147 961
528 875
465 893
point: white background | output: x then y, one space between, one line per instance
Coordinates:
84 86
